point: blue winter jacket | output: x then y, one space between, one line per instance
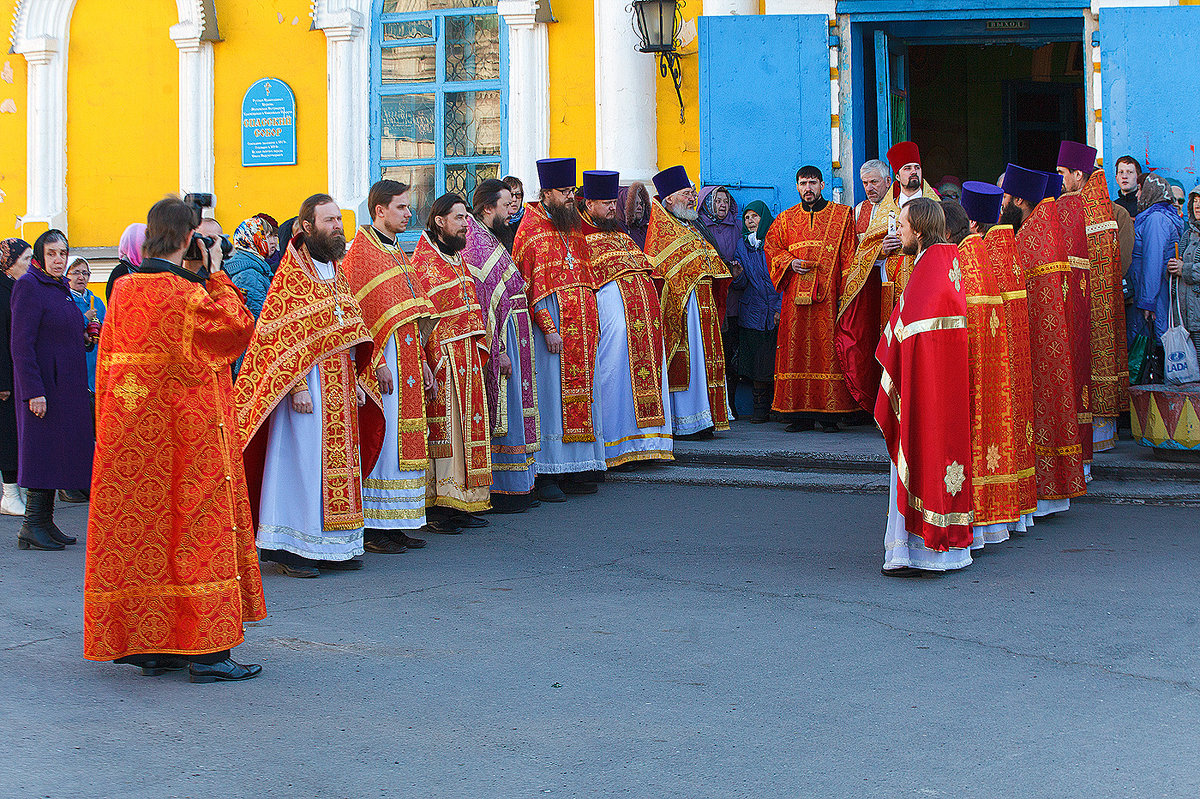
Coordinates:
760 301
1156 231
250 273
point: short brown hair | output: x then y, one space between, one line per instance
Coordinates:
168 225
382 193
1129 159
514 183
928 220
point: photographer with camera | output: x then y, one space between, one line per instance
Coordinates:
180 547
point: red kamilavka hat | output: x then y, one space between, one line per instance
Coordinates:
905 152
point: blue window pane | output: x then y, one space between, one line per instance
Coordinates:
406 127
473 123
412 29
421 179
473 47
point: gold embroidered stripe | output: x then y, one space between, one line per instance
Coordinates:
908 330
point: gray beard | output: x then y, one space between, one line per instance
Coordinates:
686 214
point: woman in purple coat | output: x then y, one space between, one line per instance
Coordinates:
54 416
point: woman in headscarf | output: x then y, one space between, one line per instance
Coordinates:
15 255
759 316
129 250
1187 267
633 203
1157 229
254 242
719 216
55 432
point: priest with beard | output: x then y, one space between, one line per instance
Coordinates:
630 363
551 253
309 426
509 375
459 476
688 266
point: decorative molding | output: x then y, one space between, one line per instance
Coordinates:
347 63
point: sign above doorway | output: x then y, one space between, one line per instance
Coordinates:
1006 25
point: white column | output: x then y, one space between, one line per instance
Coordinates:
626 113
349 130
725 8
197 160
46 131
1093 88
528 89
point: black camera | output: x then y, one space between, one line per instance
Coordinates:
199 201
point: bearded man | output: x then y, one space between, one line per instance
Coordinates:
688 266
552 255
304 372
509 375
630 361
459 475
877 277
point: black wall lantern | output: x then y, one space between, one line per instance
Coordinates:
657 23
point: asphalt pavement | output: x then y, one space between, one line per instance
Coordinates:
649 641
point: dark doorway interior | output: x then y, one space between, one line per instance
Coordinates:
974 108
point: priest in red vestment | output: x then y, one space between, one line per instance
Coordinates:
309 424
1058 454
1109 378
552 255
809 248
689 267
459 476
877 276
923 408
171 573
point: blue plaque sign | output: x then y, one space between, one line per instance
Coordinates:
269 124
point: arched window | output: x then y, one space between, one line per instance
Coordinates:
439 97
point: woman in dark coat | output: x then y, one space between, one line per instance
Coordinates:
15 255
54 415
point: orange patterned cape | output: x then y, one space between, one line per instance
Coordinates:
394 307
1058 454
171 565
556 263
994 484
1110 365
305 324
615 257
1001 247
686 263
457 351
1079 311
921 408
808 375
866 300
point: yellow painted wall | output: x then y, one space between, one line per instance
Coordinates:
572 84
679 142
268 39
12 132
122 117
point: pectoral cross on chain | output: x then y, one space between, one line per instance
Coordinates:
337 310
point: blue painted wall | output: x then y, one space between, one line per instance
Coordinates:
1151 101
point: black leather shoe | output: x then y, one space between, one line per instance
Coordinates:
384 545
37 530
302 570
578 487
59 536
903 571
534 502
37 538
409 541
470 521
65 495
156 666
548 491
227 670
510 503
443 526
351 565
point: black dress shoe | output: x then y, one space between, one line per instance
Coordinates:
384 545
37 538
65 495
409 541
301 570
443 526
227 670
548 491
903 571
510 503
153 667
351 565
470 521
577 487
534 502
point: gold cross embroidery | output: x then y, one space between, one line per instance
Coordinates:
131 392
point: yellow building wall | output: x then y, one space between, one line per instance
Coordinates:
12 133
122 117
679 142
572 43
268 39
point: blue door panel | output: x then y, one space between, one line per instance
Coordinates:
764 104
1151 107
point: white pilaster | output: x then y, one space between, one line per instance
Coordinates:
827 7
349 130
46 130
626 113
197 160
725 8
528 88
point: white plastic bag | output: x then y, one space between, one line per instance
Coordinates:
1179 354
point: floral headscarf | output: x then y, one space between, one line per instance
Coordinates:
129 248
1154 189
10 251
252 235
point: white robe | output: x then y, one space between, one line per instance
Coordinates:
902 549
690 410
624 441
394 499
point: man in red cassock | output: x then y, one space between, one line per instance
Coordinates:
922 408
